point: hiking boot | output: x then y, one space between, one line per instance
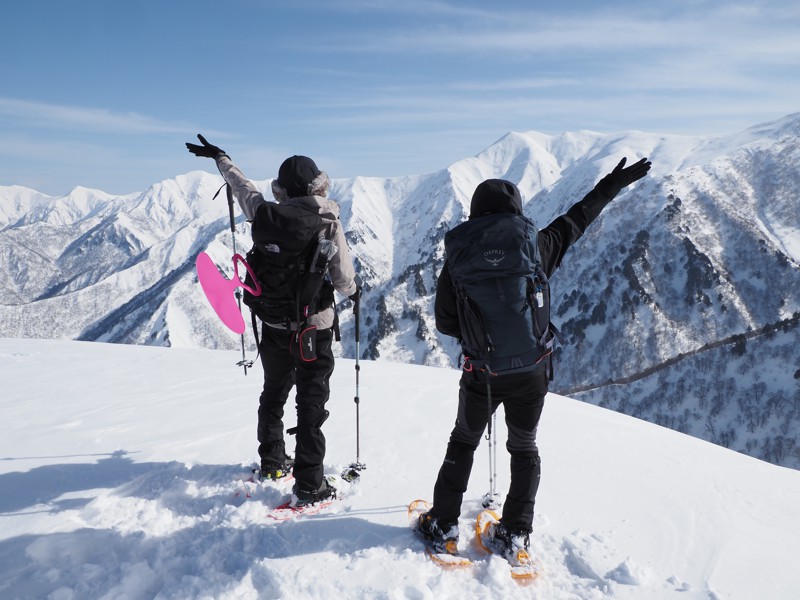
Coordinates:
443 537
306 496
511 545
273 470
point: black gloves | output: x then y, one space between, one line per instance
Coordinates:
206 150
621 177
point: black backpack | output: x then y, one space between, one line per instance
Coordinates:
290 260
502 293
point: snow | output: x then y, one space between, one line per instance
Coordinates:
123 468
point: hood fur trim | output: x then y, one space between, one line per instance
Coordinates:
318 187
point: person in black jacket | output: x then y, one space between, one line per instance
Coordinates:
522 393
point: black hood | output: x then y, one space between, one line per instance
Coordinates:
295 174
495 196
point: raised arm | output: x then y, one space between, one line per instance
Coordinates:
246 193
558 236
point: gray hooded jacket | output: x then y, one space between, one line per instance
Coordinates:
340 267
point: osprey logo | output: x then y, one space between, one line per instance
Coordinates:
494 257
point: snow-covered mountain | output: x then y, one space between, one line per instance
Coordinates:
119 485
680 305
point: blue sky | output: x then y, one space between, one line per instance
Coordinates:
103 94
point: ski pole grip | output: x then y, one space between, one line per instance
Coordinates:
229 193
357 313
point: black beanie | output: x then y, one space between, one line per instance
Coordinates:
295 174
495 196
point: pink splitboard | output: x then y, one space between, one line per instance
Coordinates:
220 291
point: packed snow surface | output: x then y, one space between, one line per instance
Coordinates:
123 474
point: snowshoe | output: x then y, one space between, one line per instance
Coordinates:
495 538
441 540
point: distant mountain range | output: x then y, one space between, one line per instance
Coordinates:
680 305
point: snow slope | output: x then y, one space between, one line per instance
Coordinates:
121 477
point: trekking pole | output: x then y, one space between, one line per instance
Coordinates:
492 498
352 473
244 363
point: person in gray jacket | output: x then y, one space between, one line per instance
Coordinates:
299 183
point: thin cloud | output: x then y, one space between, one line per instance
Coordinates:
740 31
421 8
95 120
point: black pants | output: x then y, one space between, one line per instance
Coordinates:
522 396
281 372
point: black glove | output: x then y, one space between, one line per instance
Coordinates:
356 296
621 177
206 150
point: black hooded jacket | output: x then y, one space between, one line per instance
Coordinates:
499 196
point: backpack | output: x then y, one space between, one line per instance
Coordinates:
502 293
289 258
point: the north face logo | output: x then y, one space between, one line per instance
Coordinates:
494 257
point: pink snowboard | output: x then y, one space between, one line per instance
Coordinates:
220 291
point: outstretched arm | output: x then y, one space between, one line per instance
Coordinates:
246 193
558 236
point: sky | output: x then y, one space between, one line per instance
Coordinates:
105 94
132 487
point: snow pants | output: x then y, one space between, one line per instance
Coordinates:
282 371
522 396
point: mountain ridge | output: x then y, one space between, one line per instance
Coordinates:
704 249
